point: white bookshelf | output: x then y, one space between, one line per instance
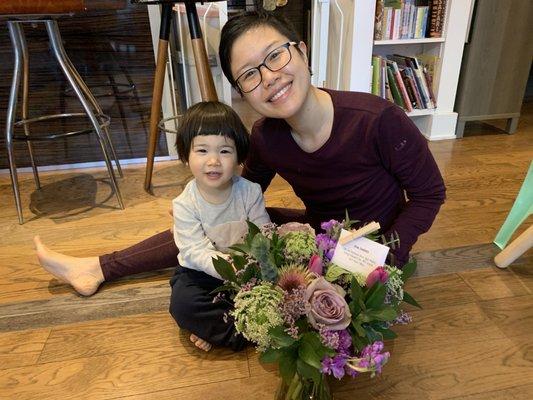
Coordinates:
350 56
408 41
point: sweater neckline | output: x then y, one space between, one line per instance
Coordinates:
206 203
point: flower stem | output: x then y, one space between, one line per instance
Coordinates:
292 386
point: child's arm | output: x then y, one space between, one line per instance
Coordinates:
256 211
195 249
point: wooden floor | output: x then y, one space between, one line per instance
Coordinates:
473 339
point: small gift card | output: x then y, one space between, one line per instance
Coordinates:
360 255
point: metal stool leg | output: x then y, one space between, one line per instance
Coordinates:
25 91
14 34
88 94
59 52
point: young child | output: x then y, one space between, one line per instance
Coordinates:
209 215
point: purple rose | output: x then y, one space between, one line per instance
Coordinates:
315 264
379 274
327 305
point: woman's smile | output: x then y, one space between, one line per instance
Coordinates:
281 94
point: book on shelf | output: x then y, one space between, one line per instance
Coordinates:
410 86
403 80
376 66
432 64
378 20
408 19
437 16
405 103
416 67
394 88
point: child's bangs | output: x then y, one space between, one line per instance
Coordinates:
215 125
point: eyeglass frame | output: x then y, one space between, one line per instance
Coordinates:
263 64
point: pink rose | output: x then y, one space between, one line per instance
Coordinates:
379 274
315 264
327 305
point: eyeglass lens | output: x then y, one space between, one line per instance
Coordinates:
274 61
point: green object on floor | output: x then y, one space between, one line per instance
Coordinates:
522 208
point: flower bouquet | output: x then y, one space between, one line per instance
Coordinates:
306 313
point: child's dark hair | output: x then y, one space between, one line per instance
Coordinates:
242 23
211 118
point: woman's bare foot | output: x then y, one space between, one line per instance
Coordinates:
200 343
83 274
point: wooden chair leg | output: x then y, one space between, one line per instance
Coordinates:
155 111
159 80
203 70
517 247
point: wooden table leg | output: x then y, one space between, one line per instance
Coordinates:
159 80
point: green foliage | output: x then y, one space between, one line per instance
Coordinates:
277 245
280 338
307 371
224 269
409 300
287 364
409 269
375 296
393 241
239 262
260 250
270 355
334 272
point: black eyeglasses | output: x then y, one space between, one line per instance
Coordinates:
274 61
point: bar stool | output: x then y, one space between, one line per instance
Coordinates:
24 11
205 78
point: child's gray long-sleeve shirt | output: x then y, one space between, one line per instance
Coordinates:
203 230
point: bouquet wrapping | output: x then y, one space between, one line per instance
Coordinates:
310 316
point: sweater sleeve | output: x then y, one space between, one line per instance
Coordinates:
256 206
255 169
195 249
405 154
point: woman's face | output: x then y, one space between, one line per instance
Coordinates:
282 93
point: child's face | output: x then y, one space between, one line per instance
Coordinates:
213 162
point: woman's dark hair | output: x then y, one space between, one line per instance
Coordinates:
211 118
242 23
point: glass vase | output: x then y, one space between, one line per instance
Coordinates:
300 388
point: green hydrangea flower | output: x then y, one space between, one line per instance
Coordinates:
256 311
299 247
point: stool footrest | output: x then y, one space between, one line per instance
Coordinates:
103 119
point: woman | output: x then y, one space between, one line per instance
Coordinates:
340 151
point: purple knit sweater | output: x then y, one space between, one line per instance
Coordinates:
374 154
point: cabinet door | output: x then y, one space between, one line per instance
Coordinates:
496 60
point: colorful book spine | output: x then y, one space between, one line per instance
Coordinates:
382 78
376 65
418 69
401 86
437 15
378 20
394 88
419 30
410 85
408 62
429 82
